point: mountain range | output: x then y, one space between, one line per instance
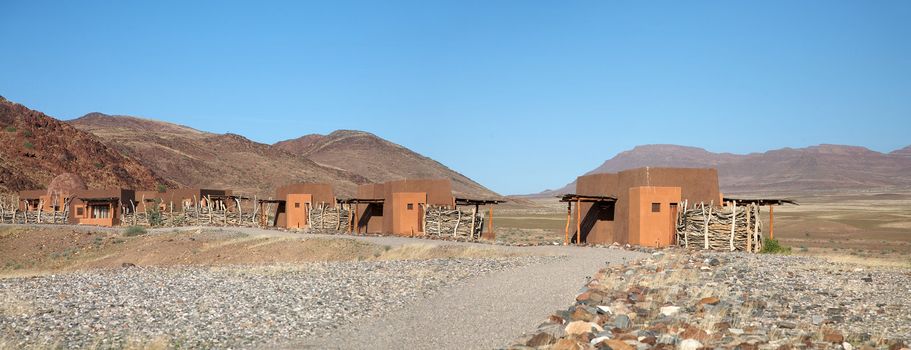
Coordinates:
126 151
787 170
131 152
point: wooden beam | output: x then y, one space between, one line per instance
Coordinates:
578 222
569 217
771 222
491 220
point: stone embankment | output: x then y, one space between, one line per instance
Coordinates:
689 301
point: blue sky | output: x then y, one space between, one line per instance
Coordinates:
540 91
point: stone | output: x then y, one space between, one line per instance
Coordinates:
127 264
735 331
669 310
669 339
689 344
567 344
605 310
540 339
786 324
581 327
832 336
618 345
580 314
712 262
847 346
598 339
708 301
622 321
556 330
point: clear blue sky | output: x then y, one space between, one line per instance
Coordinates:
540 92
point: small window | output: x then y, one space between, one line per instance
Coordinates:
410 206
656 207
297 204
79 211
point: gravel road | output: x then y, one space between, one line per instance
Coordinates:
484 312
478 303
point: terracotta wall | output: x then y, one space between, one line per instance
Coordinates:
320 193
608 225
653 211
123 198
370 216
438 192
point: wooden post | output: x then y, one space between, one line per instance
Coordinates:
749 247
490 231
474 214
733 222
708 220
771 222
569 216
578 222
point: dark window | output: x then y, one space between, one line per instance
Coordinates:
656 207
410 206
79 211
297 204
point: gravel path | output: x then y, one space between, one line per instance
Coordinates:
485 312
439 303
238 306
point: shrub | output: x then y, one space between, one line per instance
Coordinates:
10 128
99 165
162 188
28 145
771 246
27 133
134 231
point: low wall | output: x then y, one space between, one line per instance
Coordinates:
453 223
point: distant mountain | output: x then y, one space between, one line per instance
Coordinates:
902 152
816 168
378 160
36 148
194 158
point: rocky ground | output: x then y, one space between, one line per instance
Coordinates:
694 301
221 307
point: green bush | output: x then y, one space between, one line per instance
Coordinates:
10 128
162 188
28 145
27 133
134 231
771 246
99 165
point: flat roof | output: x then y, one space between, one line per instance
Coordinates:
761 201
572 197
360 200
473 201
99 199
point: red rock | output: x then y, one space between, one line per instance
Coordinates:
567 344
540 339
832 336
618 345
709 301
581 315
555 319
692 332
627 336
650 340
583 296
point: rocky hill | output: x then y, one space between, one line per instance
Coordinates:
378 160
194 158
787 170
36 148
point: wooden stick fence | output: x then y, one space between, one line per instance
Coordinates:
730 228
324 218
453 223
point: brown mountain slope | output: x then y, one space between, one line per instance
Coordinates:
36 148
378 160
816 168
193 158
906 152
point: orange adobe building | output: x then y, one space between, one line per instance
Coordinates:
636 206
